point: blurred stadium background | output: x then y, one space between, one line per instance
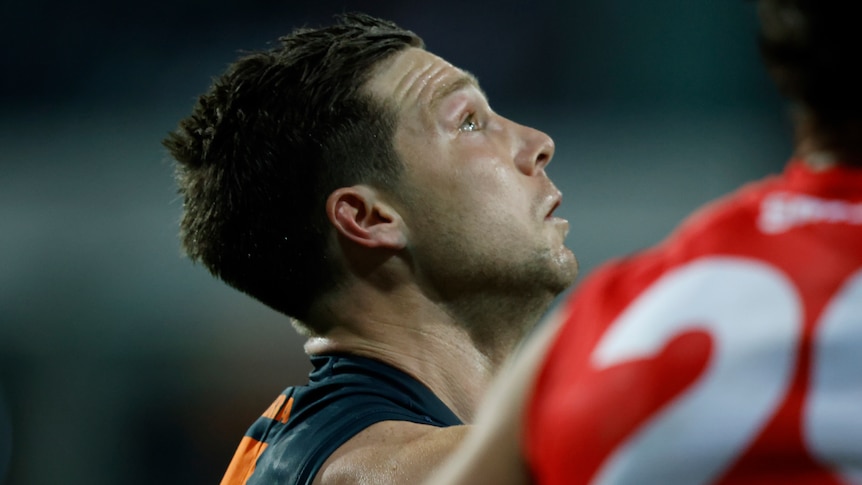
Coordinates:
121 362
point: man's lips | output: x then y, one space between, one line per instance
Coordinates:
556 200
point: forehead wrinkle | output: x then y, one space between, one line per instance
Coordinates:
418 82
408 85
465 80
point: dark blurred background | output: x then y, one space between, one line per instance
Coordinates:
122 362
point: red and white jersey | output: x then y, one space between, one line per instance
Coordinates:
729 354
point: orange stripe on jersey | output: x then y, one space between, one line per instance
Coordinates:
249 450
244 460
284 414
275 407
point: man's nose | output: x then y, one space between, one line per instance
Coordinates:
536 151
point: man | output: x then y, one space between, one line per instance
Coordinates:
731 353
364 187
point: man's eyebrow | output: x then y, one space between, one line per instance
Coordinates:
466 80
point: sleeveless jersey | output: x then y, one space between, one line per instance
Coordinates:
730 353
305 424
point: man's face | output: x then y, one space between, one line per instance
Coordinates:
475 197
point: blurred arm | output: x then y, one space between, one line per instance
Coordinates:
493 452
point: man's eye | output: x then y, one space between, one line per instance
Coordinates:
469 124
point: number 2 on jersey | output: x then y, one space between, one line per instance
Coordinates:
754 316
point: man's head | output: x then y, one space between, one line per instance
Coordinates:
811 48
262 150
350 149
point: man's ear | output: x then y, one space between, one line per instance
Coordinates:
359 214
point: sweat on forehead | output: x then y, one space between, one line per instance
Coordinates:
418 75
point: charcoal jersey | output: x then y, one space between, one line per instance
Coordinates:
730 353
305 424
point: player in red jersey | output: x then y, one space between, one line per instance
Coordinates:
731 353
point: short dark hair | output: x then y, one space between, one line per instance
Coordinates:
266 145
810 48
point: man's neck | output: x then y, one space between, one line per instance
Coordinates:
425 342
822 148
